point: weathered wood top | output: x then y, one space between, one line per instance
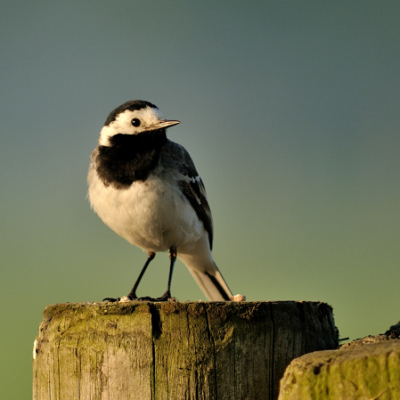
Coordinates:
194 350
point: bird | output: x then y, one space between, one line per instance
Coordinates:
146 188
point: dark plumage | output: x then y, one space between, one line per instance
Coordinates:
129 158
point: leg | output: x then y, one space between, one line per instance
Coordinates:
172 256
132 293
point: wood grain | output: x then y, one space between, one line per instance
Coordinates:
160 351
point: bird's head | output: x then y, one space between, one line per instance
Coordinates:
133 118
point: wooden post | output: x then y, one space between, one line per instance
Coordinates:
366 368
191 350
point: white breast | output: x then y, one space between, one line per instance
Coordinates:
153 215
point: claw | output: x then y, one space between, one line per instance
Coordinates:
111 299
125 299
165 297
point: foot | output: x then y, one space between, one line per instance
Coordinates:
125 299
112 299
165 297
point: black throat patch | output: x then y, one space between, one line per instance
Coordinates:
129 158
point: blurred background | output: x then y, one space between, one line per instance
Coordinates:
289 109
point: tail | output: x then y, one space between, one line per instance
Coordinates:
198 259
212 284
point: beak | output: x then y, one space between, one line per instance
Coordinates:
166 123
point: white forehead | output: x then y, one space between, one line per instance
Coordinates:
147 116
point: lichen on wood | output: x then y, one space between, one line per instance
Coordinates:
191 350
357 371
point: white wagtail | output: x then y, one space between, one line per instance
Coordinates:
146 188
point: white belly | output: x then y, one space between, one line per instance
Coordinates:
153 215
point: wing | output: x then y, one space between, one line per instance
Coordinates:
193 189
191 185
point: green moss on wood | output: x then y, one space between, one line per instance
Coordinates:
365 372
191 350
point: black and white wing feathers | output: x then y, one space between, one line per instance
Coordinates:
191 185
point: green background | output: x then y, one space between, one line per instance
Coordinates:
290 110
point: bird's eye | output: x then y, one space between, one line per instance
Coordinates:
135 122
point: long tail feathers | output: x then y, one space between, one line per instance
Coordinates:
212 284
